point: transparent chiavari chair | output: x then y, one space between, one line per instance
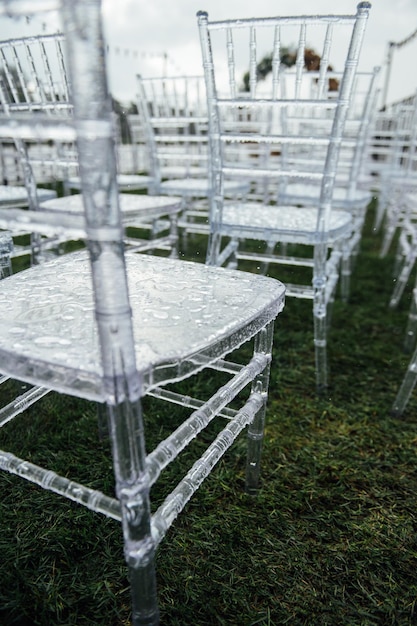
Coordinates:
121 325
347 192
25 77
378 157
310 237
35 80
128 178
400 178
174 115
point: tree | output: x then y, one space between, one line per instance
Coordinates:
288 58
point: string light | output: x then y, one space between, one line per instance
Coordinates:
118 50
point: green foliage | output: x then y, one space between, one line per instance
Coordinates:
264 67
331 538
288 57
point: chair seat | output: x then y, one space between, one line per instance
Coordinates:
309 194
132 206
18 196
194 187
126 182
48 335
283 223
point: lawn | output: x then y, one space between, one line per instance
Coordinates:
330 539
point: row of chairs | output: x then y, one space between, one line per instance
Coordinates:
175 123
397 216
112 326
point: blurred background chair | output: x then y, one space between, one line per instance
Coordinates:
174 116
34 80
399 178
271 124
26 83
108 325
348 194
127 160
406 252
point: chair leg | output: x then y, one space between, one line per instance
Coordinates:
213 248
402 280
379 215
411 330
36 249
263 345
320 338
173 233
268 252
406 388
102 417
398 259
143 586
132 489
320 299
345 274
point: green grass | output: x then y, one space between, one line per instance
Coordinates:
331 538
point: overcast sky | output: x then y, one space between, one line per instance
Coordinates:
154 36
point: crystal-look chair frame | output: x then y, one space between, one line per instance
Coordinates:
400 178
269 123
27 83
347 193
173 111
121 325
128 178
35 80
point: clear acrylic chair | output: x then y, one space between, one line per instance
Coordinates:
128 166
400 178
35 80
25 76
121 325
378 157
348 195
272 126
173 110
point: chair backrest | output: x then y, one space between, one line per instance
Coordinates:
357 129
34 79
285 117
173 110
357 124
33 74
404 160
133 155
